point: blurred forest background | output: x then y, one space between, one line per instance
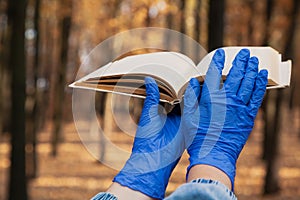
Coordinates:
43 42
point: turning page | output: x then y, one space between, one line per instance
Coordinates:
279 72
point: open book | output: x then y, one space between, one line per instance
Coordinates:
172 72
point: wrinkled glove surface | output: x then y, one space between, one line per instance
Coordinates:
158 144
227 111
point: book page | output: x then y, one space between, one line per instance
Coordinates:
174 68
269 58
132 81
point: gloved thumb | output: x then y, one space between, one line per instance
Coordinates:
191 96
150 108
191 112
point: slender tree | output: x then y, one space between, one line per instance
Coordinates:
182 28
17 184
4 74
289 48
33 121
273 122
271 126
61 81
269 7
197 20
169 18
1 81
197 34
216 24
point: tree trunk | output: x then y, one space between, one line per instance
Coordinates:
4 75
197 20
272 128
182 5
269 8
289 51
60 86
273 119
197 33
45 70
101 99
216 24
169 24
17 184
33 119
1 80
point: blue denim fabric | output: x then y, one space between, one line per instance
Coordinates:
199 189
104 196
202 189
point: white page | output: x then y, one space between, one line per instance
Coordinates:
173 67
269 59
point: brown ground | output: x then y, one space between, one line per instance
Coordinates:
75 174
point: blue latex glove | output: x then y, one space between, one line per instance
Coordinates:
158 144
227 112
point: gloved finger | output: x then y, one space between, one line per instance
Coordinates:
237 71
150 107
258 92
152 91
248 82
191 96
214 72
191 111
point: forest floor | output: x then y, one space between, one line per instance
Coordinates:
75 174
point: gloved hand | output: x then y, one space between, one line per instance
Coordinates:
227 112
158 144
